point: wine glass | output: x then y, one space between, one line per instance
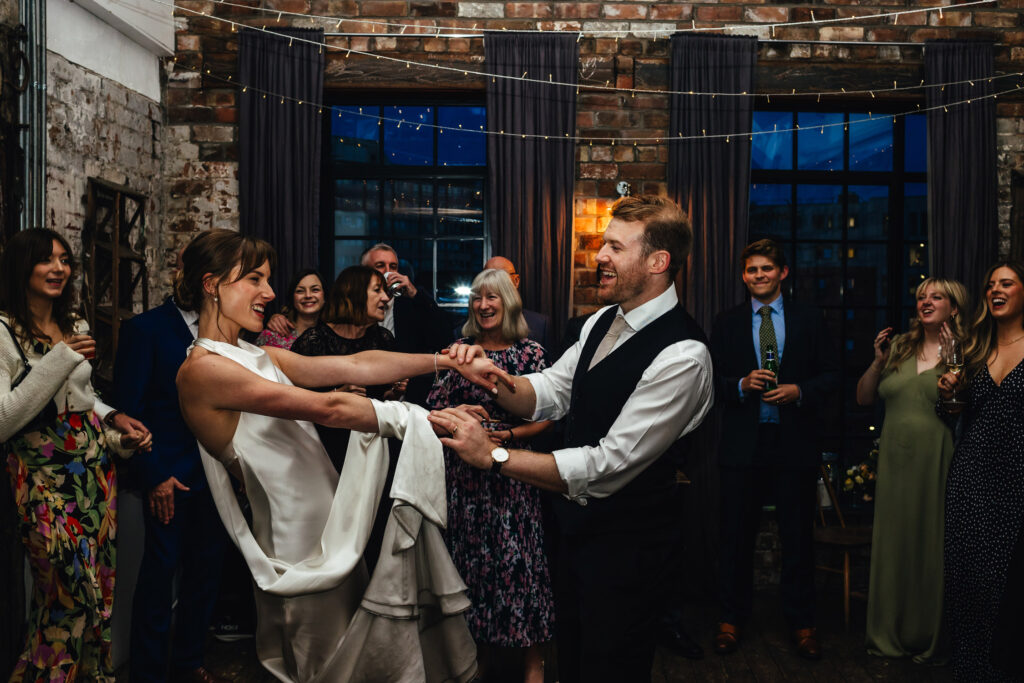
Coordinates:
953 356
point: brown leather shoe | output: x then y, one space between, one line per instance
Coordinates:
806 640
727 638
200 675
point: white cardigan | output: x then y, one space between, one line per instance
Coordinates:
62 375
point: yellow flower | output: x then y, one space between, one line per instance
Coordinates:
859 479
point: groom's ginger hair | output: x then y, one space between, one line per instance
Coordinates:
666 227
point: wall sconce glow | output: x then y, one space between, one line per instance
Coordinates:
463 290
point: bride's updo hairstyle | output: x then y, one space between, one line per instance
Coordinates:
215 253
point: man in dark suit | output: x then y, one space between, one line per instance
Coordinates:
638 379
768 448
183 529
537 322
419 325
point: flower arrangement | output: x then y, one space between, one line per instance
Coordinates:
860 479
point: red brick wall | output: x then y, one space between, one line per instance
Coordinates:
202 115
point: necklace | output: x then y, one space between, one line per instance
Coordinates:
1012 342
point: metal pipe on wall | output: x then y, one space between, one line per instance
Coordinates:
33 115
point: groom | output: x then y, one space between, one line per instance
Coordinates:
638 379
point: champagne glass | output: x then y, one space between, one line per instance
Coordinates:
953 355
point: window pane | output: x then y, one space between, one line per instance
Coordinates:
458 148
356 206
867 274
819 211
408 207
771 210
868 207
405 142
354 136
915 211
460 208
916 147
871 144
862 324
819 148
819 273
458 262
772 150
347 253
915 262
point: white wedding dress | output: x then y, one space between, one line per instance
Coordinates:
320 619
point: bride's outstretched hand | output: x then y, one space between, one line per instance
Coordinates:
471 362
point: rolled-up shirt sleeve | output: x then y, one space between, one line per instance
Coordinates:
672 398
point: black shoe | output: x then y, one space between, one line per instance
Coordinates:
227 630
673 638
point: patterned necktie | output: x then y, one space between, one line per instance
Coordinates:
767 334
610 337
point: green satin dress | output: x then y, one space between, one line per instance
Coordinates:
915 450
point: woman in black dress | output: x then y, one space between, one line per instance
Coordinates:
348 325
985 487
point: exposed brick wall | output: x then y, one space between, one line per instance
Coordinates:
202 120
98 128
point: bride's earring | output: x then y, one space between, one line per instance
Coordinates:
216 300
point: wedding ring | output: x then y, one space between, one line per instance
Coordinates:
455 430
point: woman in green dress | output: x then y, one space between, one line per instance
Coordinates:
915 449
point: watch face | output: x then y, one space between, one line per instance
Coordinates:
499 455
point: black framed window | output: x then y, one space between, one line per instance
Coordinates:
845 194
412 174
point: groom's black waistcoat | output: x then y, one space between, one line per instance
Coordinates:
598 396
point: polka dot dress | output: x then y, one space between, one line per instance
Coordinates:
984 511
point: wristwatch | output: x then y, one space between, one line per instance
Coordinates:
499 456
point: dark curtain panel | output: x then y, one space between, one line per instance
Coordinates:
279 164
530 180
962 222
710 180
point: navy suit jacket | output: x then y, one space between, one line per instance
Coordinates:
150 350
810 360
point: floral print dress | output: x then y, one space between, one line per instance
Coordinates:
495 534
65 489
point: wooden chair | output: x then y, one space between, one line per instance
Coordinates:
844 538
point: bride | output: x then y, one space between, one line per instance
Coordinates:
320 617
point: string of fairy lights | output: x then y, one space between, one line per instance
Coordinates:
550 81
332 110
339 22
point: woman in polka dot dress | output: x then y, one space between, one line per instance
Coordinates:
985 488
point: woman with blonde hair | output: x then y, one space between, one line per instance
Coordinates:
915 450
495 534
985 490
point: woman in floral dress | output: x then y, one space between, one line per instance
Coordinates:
58 451
495 535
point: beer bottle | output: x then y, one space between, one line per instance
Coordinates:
770 364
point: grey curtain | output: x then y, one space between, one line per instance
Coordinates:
530 181
710 179
280 145
962 221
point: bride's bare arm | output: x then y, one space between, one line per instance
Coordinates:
380 367
211 384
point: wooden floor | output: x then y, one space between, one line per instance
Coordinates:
765 653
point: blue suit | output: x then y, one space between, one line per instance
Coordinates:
151 348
